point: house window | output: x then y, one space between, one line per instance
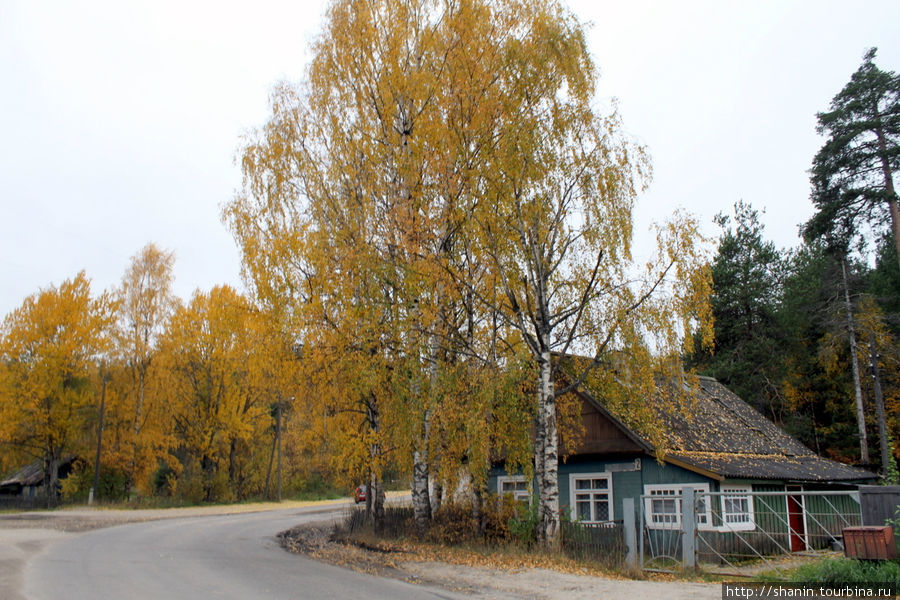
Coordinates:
515 485
737 507
591 497
662 505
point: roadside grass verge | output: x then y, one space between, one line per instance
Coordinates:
503 540
838 571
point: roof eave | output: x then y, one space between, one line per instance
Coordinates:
691 467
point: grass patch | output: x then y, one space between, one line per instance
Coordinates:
838 571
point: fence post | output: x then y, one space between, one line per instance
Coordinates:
640 530
688 529
628 517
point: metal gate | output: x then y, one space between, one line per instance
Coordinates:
686 527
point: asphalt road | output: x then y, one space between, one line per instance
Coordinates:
216 557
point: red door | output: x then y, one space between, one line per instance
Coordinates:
796 522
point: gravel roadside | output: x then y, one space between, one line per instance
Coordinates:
478 581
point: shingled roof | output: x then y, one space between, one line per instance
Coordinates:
722 436
33 474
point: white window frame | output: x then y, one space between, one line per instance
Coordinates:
573 508
518 495
741 492
704 519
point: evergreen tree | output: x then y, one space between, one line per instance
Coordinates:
746 288
853 173
819 388
884 282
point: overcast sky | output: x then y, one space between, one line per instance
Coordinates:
119 120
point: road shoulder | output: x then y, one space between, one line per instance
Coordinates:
473 580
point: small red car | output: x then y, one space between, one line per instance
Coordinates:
359 494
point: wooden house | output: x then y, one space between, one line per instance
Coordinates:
718 444
27 482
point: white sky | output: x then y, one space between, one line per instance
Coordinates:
120 120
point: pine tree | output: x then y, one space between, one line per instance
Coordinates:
853 173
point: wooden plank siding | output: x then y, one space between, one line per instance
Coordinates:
881 503
600 436
826 518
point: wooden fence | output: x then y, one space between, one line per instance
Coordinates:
880 504
24 503
596 542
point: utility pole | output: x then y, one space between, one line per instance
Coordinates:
278 437
269 468
95 489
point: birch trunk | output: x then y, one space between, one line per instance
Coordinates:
420 498
136 427
438 495
548 481
139 409
879 408
854 363
375 493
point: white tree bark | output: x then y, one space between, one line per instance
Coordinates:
420 497
548 481
854 362
883 445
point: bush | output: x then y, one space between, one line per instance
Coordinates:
165 480
503 521
112 487
524 523
497 515
311 487
453 524
398 522
848 570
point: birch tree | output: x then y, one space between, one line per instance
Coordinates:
146 302
555 221
431 138
214 354
349 180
